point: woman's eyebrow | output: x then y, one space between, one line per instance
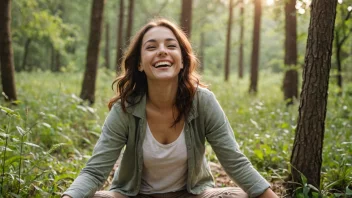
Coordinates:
154 40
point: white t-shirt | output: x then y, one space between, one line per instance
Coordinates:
165 165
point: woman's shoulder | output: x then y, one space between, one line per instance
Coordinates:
117 107
203 92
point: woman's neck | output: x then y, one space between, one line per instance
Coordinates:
162 95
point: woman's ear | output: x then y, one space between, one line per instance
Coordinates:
140 68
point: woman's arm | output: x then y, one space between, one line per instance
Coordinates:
106 151
221 137
268 194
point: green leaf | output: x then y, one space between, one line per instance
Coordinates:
300 195
46 125
306 190
348 191
20 130
315 195
4 135
9 112
313 187
55 147
304 179
11 160
31 144
255 124
259 154
2 148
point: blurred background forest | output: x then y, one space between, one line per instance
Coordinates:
49 134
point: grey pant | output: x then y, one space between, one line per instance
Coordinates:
229 192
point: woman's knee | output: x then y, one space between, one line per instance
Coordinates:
228 192
108 194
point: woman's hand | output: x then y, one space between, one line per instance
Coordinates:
268 194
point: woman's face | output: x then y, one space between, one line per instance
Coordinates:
161 57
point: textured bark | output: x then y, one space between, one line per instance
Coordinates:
119 44
240 54
130 20
290 84
255 46
6 54
308 144
186 17
107 46
96 21
228 42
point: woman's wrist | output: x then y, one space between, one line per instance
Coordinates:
268 193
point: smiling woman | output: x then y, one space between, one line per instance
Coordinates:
163 115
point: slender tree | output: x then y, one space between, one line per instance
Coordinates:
308 143
96 21
120 43
290 84
228 42
342 33
6 54
25 53
107 45
130 20
240 54
186 17
255 46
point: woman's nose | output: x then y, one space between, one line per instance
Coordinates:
162 51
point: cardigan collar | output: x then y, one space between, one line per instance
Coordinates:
138 109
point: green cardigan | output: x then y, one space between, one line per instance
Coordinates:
206 121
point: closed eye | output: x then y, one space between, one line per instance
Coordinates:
171 46
150 47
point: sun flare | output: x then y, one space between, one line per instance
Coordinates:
270 2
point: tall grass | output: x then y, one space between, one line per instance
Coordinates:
47 138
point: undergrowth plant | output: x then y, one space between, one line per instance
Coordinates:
48 136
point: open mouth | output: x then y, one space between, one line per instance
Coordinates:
163 64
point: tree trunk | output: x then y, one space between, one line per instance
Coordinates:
96 21
338 60
201 49
119 44
25 53
240 58
255 46
57 61
6 54
186 17
308 144
52 57
130 21
228 42
290 84
107 45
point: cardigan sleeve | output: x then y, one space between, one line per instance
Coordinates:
221 138
106 151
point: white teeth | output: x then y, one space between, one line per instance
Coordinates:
162 63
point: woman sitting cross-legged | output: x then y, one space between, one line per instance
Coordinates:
163 115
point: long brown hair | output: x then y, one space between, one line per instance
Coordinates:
132 84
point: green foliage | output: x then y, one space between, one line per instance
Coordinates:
46 139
